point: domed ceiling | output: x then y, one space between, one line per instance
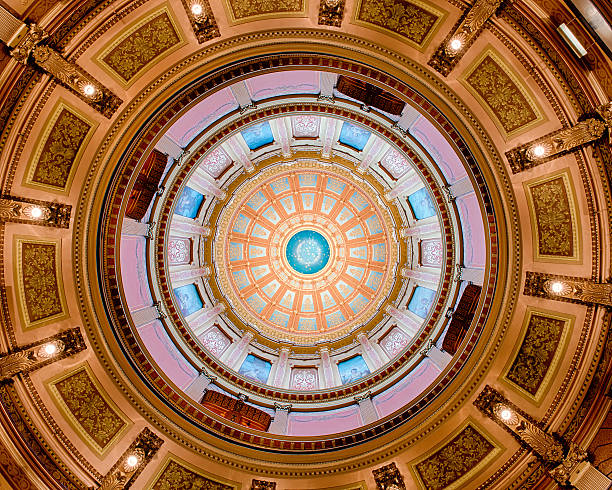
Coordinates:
298 246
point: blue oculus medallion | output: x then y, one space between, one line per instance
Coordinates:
307 252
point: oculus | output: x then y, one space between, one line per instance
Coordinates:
307 252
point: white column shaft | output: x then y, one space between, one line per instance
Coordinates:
132 227
145 315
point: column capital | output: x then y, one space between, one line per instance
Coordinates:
283 407
363 396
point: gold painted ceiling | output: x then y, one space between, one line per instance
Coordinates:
247 123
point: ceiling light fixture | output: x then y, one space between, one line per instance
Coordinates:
556 287
196 9
539 151
89 90
456 44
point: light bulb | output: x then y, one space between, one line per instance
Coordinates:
36 212
556 287
50 349
539 151
505 414
89 90
131 461
196 9
455 44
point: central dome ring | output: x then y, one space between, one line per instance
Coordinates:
307 251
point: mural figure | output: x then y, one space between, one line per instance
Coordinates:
255 368
352 369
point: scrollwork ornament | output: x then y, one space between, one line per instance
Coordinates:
15 363
575 456
24 49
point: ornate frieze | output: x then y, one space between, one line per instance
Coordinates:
34 356
34 212
141 45
502 94
58 150
462 36
552 210
89 409
133 461
454 461
175 474
263 485
241 10
389 478
413 21
560 142
538 352
40 285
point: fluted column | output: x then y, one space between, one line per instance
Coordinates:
205 318
130 226
438 357
369 351
146 315
404 321
367 410
187 276
234 354
199 385
281 419
207 185
328 374
281 367
169 147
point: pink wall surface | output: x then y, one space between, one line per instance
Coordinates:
202 115
407 389
474 251
321 423
440 150
166 355
133 275
283 83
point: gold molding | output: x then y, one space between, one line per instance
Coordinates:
489 50
18 240
554 364
32 165
570 191
131 29
74 423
